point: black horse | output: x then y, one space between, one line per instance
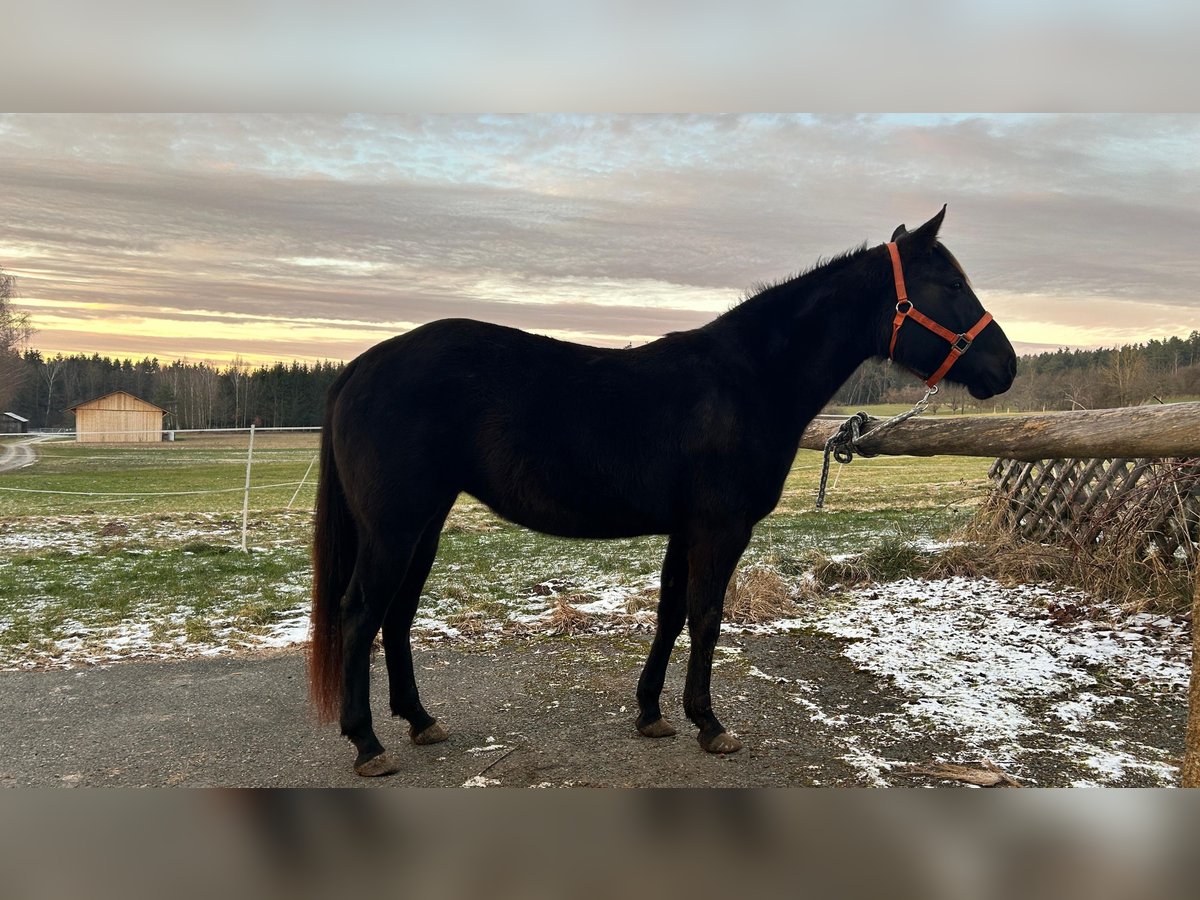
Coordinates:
689 436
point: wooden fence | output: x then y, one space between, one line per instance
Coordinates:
1153 504
1131 432
1088 476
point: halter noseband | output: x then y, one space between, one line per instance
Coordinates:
959 343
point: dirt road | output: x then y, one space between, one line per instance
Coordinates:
20 453
530 712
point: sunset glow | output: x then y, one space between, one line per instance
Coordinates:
278 238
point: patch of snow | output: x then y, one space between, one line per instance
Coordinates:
869 764
982 662
436 626
489 748
292 630
988 664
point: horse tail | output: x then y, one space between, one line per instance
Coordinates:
335 543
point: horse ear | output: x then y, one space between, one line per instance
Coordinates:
900 230
927 233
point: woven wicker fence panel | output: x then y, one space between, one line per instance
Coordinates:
1153 502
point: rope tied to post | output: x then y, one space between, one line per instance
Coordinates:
843 443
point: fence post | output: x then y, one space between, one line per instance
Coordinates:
246 495
1191 756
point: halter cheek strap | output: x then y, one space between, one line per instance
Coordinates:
959 343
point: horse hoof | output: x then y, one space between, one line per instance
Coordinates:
383 764
722 743
659 728
433 734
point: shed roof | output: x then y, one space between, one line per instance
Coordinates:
114 393
13 415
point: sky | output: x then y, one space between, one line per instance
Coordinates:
214 236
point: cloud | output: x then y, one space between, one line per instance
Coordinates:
548 222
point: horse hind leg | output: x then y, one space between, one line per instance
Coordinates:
397 629
380 567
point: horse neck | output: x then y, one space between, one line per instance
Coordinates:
807 335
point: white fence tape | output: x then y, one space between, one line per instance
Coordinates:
75 434
245 489
135 495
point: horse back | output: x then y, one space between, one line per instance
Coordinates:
561 437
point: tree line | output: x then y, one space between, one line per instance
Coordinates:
41 387
204 395
1061 379
194 394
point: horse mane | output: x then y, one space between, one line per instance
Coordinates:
832 264
824 265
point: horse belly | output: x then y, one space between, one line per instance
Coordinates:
575 506
572 524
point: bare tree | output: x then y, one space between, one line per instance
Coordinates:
1126 374
238 375
50 372
954 395
15 331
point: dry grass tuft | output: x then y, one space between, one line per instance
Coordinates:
645 600
564 618
465 526
888 560
471 518
1121 568
758 594
471 622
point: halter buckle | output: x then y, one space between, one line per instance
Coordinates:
961 344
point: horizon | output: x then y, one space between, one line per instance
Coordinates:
309 238
1022 351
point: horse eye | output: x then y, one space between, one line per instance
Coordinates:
956 286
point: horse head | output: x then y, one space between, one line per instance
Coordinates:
940 329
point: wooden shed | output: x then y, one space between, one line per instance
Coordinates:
117 418
11 423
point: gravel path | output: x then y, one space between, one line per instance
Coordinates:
19 454
532 712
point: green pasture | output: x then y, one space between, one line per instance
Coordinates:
146 540
191 474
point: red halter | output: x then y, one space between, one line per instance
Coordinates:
959 343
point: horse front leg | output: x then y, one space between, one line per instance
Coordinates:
672 610
711 561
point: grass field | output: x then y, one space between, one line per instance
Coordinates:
136 550
197 473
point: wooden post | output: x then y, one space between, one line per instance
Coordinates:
1134 432
1191 755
